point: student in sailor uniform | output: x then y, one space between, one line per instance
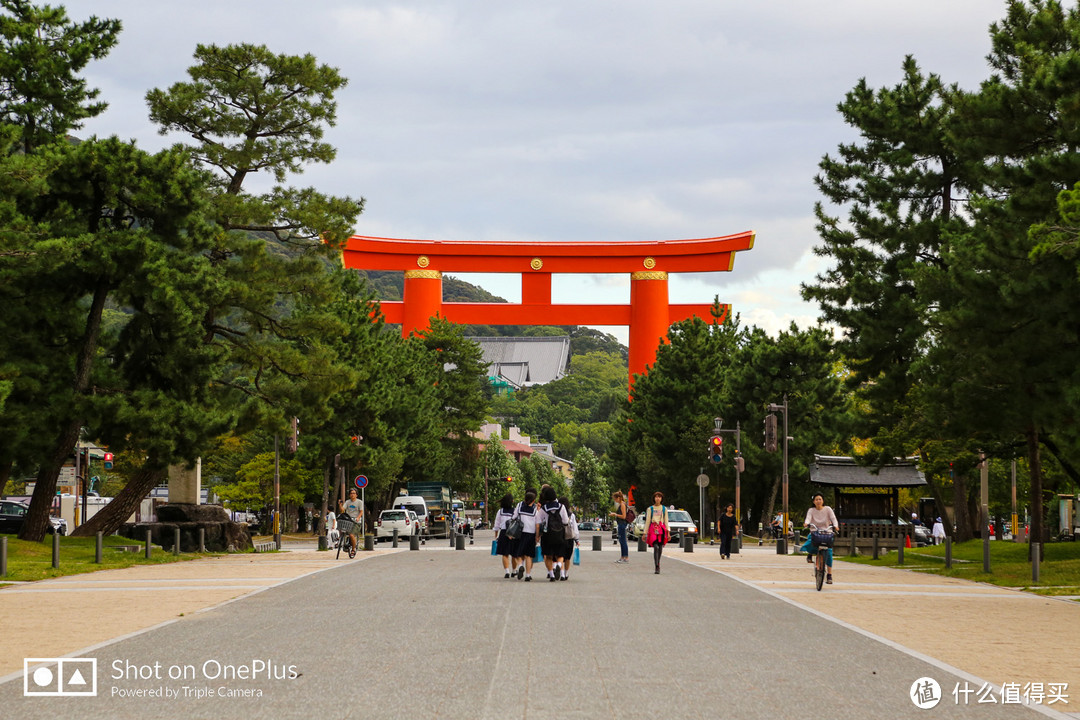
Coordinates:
526 510
571 543
552 542
504 546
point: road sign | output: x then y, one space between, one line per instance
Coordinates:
703 480
361 481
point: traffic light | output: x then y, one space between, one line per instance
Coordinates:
508 479
294 439
716 449
740 464
355 439
108 458
770 433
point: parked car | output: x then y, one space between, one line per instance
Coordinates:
679 522
589 525
415 520
13 515
920 534
399 519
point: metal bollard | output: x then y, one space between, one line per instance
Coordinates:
97 548
736 544
641 546
202 540
369 542
56 550
877 546
414 542
3 557
147 544
854 550
900 551
688 543
1035 547
176 540
948 552
459 542
394 542
597 543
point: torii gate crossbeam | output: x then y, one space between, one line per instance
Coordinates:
648 315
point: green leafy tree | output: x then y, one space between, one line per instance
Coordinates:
589 490
41 53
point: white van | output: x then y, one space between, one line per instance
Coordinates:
415 503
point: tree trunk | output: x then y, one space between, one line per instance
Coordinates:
960 509
109 519
938 494
37 516
768 516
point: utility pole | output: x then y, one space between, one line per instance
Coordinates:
781 543
277 495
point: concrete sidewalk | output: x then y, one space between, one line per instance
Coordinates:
997 635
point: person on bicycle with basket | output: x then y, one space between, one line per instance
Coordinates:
822 521
353 508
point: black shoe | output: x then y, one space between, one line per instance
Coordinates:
565 577
507 574
809 558
558 572
657 570
828 579
528 579
520 571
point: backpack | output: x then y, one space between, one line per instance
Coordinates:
630 514
554 520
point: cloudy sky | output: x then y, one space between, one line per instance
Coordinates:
585 120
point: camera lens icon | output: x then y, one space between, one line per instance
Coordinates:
60 677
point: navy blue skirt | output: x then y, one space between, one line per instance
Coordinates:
504 545
526 545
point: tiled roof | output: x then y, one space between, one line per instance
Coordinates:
844 472
525 361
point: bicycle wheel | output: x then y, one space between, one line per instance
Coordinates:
819 569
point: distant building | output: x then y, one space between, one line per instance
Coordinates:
520 362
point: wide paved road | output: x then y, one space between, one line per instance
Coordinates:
441 634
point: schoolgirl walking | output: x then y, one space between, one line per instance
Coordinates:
553 518
526 512
573 538
504 546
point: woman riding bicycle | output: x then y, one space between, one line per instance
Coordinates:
822 518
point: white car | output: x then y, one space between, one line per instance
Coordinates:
399 519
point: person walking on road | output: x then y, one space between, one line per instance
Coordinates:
572 541
728 527
526 544
504 546
658 531
620 523
938 532
822 517
553 518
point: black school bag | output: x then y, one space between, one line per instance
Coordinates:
554 519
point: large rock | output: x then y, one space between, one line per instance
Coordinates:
219 535
189 512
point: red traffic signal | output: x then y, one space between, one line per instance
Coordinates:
108 460
716 449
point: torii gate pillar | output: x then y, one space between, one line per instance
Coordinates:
648 315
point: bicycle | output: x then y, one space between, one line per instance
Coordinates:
820 539
345 526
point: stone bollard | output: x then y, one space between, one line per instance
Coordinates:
597 543
394 542
459 542
798 544
688 543
854 550
877 546
641 546
369 542
176 540
324 544
202 540
3 557
97 548
147 544
736 544
414 542
56 550
948 552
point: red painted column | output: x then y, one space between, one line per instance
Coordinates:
649 318
422 301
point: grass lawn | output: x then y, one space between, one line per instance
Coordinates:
1059 572
33 561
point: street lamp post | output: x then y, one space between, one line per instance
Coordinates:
781 542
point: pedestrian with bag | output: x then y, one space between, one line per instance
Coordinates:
620 524
553 518
658 531
525 512
504 545
573 538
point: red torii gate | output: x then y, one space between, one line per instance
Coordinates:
648 315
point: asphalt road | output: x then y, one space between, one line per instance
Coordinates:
441 634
